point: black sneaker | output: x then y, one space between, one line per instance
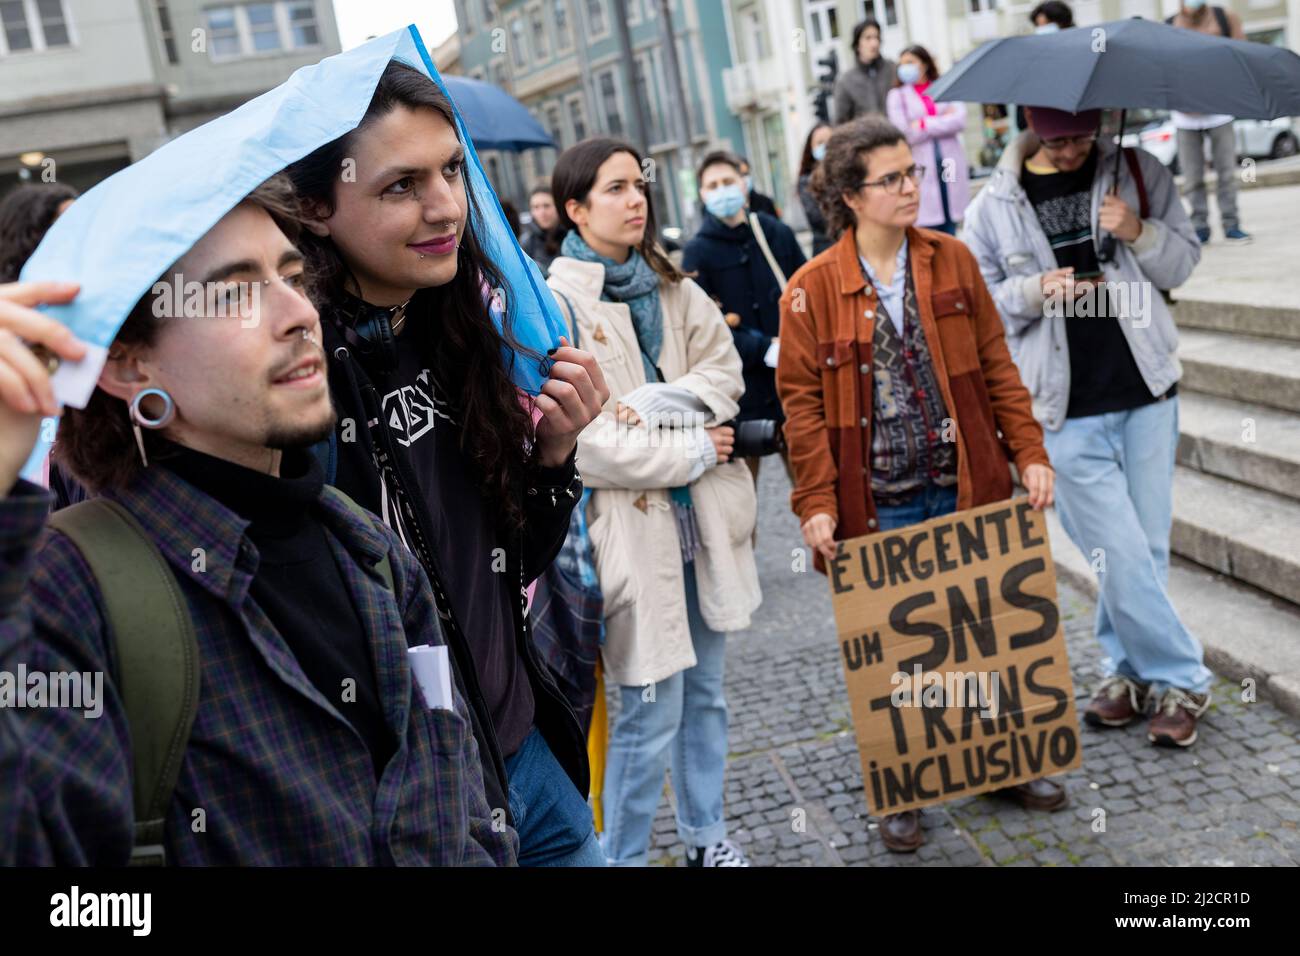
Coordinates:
725 853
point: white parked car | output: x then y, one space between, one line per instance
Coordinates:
1153 131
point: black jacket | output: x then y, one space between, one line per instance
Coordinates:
761 202
534 244
729 266
547 503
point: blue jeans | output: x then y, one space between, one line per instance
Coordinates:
553 820
930 502
684 723
1114 492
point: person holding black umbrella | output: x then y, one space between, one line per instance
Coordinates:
1096 345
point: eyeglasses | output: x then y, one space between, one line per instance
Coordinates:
1063 141
893 182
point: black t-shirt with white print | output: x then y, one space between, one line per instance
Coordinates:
1103 375
426 428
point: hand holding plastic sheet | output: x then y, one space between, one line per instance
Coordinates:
121 236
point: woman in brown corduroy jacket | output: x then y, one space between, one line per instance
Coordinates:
902 402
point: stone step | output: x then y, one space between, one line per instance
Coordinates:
1246 634
1237 530
1242 367
1251 444
1270 321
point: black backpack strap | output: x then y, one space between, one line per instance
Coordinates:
1135 169
384 567
157 655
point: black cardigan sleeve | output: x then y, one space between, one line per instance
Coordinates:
550 495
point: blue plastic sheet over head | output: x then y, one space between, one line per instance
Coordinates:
122 235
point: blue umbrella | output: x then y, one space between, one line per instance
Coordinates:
494 118
1126 64
119 237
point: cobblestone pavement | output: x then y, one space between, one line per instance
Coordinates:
1233 799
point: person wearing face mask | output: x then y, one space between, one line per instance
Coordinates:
863 88
814 151
934 131
671 514
728 262
1195 128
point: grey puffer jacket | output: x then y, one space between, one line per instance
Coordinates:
1003 231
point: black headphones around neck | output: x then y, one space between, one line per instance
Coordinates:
368 330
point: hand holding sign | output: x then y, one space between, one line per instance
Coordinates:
954 657
819 534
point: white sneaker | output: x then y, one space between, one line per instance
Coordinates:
725 853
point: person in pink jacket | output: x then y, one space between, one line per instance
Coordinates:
934 132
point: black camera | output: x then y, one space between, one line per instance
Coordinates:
756 437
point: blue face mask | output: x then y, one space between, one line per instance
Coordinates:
1193 4
909 73
819 152
1047 28
725 201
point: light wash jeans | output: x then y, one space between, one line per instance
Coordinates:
685 724
1114 493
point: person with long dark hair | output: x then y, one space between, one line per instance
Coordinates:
814 150
436 439
26 214
671 513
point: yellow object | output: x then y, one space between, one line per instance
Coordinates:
597 739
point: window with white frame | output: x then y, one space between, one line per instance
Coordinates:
577 118
517 51
982 6
261 29
642 77
596 23
30 26
541 43
554 125
560 21
633 8
609 103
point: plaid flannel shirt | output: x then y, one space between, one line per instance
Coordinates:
281 776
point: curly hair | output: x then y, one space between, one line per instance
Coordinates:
845 166
26 214
96 444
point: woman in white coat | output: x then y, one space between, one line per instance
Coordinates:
670 515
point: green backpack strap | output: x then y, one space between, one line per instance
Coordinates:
157 654
384 567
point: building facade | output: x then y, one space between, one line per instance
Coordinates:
89 86
563 60
776 46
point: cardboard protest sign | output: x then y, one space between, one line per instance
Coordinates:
954 656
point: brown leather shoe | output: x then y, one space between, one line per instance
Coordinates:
1174 722
901 832
1118 701
1040 794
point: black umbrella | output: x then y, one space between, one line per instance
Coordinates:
1127 64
